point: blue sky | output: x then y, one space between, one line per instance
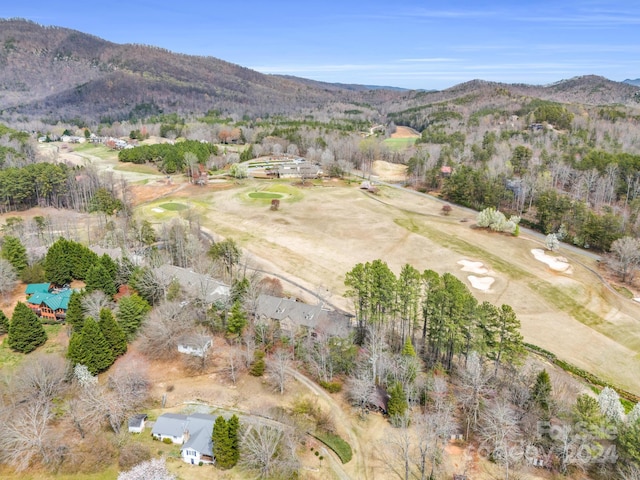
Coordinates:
411 44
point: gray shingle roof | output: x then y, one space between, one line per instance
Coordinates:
198 425
301 314
136 420
198 284
200 428
170 424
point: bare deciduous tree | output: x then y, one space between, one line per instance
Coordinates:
24 439
126 389
41 378
8 278
94 302
360 389
401 445
474 379
165 326
499 430
278 365
200 340
625 257
269 452
234 364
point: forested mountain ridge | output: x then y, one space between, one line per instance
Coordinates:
65 73
58 73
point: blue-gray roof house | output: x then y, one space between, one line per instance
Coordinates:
192 431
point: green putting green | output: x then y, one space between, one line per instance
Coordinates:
265 195
173 207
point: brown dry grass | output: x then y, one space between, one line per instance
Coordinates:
322 233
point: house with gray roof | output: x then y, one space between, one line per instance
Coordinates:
193 432
198 285
293 318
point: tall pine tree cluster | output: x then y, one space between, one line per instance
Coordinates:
225 442
96 345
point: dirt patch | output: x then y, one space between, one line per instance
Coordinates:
405 132
152 191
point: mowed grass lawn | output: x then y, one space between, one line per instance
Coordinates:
399 143
10 358
325 232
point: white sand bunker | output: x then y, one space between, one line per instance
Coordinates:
473 267
481 283
555 263
157 209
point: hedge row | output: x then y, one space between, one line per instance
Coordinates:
579 372
337 444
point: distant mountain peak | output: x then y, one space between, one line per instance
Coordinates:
635 82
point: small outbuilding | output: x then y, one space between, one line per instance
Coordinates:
137 423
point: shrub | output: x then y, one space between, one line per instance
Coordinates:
167 441
132 454
331 387
496 221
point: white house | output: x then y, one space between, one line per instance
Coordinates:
136 423
171 426
192 431
196 345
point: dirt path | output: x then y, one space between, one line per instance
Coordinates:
340 418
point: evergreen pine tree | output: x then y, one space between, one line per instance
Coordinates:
25 331
57 263
407 349
83 259
398 404
258 366
111 266
131 312
13 251
99 278
4 323
541 391
93 349
237 320
239 289
234 438
221 444
112 332
76 352
75 315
